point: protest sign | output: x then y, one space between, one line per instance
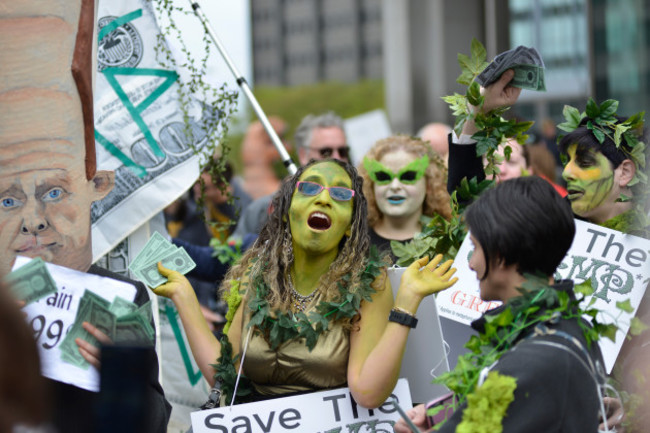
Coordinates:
333 411
140 126
52 317
618 265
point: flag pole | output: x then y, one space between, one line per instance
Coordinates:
241 81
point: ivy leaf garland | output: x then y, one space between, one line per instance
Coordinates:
279 327
537 304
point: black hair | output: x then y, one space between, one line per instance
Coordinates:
585 138
522 221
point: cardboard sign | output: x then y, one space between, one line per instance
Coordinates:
333 411
617 263
52 317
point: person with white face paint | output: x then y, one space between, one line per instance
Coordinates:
404 181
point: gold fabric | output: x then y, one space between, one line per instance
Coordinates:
292 367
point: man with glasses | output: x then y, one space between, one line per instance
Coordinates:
321 137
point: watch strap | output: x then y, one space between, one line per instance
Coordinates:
402 318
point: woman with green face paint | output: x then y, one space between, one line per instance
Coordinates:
307 301
404 181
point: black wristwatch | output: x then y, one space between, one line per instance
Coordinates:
402 318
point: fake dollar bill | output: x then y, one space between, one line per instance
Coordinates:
31 282
122 321
527 64
158 249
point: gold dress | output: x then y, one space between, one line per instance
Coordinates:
292 367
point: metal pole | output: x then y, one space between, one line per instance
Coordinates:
241 81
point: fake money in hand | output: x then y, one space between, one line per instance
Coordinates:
122 321
159 249
527 64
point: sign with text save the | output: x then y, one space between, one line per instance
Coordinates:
333 411
618 265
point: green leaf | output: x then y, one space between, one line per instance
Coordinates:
607 330
585 288
464 61
619 130
625 306
637 326
623 198
572 116
507 151
474 94
479 54
608 108
600 135
592 109
465 78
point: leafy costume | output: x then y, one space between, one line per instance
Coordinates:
539 340
291 352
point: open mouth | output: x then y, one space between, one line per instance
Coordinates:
396 199
574 194
319 221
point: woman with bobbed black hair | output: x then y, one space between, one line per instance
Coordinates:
544 376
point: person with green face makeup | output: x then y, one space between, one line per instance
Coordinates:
316 304
404 181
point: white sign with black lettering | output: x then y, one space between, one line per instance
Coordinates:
333 411
618 265
52 317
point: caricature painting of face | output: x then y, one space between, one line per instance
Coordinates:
590 180
47 178
45 210
403 191
319 222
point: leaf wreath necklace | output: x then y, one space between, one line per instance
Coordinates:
279 327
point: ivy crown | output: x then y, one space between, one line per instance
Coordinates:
600 127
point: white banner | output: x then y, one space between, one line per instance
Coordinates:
140 132
618 265
52 317
333 411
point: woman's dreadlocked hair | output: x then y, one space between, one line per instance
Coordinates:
270 258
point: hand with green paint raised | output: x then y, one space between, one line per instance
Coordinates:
423 278
177 286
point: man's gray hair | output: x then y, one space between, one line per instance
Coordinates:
302 136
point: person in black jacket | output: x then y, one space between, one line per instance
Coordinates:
521 230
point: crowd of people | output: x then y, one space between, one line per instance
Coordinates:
309 306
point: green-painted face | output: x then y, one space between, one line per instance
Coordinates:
408 175
590 178
318 222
